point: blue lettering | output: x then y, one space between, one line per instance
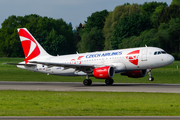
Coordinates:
103 54
120 53
87 56
107 54
95 55
114 53
98 55
91 56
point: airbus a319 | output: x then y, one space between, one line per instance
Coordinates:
133 62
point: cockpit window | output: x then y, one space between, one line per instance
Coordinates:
159 52
163 52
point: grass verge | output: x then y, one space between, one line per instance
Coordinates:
49 103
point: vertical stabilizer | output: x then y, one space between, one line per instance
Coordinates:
32 49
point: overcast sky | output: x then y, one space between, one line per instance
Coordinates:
74 11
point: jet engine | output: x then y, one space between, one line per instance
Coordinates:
135 74
104 72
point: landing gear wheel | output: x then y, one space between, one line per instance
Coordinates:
90 81
151 78
87 82
109 81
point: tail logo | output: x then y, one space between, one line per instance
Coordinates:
133 57
30 47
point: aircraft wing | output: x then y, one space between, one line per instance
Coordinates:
80 67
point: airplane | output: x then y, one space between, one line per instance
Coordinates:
132 62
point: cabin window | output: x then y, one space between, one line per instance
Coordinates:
155 53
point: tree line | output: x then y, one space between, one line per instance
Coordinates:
129 25
56 36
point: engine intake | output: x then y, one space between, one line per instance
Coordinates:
135 74
104 72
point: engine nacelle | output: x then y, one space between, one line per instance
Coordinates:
135 74
104 72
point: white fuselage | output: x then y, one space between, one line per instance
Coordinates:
122 60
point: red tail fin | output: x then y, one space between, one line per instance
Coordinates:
31 47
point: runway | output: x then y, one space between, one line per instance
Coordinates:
78 86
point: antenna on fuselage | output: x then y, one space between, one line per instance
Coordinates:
77 52
145 45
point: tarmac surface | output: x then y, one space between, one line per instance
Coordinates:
78 86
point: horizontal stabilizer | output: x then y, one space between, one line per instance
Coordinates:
29 65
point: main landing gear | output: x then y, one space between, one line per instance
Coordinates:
150 78
109 81
88 82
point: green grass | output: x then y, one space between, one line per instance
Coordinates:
168 74
48 103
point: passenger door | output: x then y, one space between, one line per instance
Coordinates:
144 54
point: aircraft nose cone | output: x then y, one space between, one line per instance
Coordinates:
170 59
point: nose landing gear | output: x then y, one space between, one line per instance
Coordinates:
150 78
